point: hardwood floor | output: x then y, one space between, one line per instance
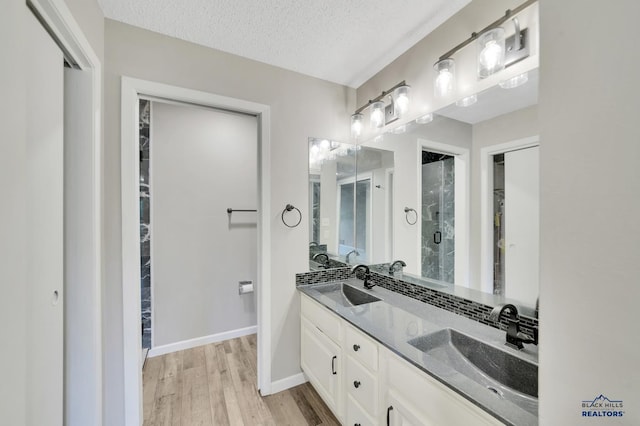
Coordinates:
216 385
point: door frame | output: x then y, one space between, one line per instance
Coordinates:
132 90
486 204
57 19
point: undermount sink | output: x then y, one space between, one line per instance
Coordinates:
346 295
507 376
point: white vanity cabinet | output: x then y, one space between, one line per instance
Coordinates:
320 353
365 384
412 397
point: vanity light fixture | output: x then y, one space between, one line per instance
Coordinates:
381 113
444 83
356 125
377 115
494 51
401 99
516 81
491 51
467 101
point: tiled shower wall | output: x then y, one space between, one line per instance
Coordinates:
145 237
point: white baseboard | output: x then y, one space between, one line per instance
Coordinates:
199 341
288 382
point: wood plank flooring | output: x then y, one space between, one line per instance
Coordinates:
216 385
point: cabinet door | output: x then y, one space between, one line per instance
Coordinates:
320 359
434 403
401 413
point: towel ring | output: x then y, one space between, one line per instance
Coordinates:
407 210
288 208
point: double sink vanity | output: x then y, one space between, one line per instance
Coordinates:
378 357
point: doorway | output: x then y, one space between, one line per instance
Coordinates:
132 91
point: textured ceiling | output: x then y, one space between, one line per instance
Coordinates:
343 41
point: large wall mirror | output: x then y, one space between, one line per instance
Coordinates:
453 195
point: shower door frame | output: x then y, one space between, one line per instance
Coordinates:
462 205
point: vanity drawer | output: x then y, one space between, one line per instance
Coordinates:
362 385
319 316
361 347
356 415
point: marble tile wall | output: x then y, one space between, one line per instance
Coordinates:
438 216
145 236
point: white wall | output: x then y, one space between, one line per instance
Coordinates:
301 106
590 205
202 162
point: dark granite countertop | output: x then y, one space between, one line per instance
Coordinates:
396 319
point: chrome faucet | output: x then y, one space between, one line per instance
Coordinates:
392 267
326 264
515 338
366 277
354 251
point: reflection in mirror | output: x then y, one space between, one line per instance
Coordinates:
374 201
477 222
332 171
438 216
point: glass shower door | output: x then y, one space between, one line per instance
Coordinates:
438 217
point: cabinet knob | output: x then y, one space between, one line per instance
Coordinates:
356 347
356 384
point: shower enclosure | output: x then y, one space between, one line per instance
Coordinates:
438 217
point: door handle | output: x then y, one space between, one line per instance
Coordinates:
333 364
389 415
437 237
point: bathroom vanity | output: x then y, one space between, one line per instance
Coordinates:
377 357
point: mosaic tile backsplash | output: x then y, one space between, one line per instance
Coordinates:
467 308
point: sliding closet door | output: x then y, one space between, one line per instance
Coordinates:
44 177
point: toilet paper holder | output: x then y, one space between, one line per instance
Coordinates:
245 287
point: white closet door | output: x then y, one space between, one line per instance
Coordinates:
522 229
82 369
44 176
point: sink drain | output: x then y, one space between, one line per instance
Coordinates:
496 391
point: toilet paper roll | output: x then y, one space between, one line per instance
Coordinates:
245 287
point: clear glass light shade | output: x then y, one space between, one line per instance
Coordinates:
491 52
401 100
377 115
356 125
516 81
444 83
427 118
468 101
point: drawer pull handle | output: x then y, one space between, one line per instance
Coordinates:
356 384
356 347
333 364
389 414
357 424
